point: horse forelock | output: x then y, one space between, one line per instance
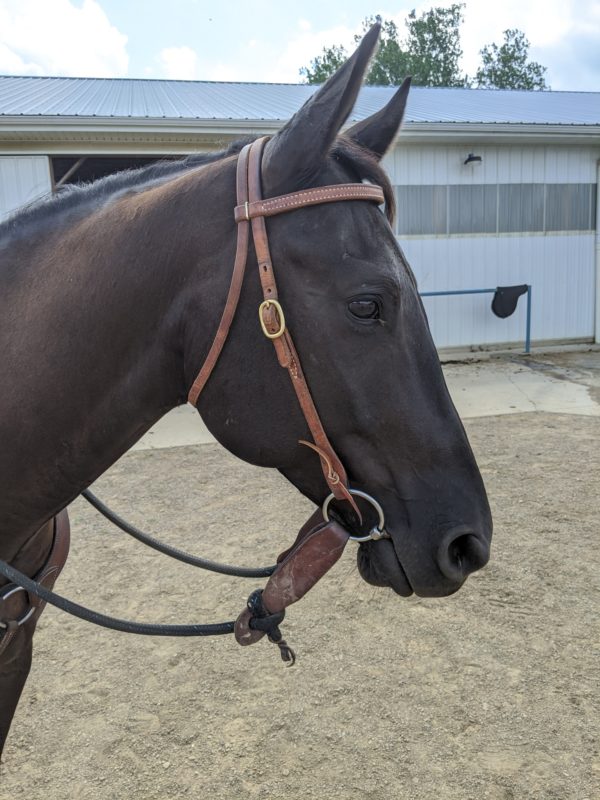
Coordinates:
366 167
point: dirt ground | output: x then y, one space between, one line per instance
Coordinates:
491 693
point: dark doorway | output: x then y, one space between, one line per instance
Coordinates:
84 169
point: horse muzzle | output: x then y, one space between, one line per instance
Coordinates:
433 570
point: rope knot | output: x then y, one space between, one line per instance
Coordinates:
263 620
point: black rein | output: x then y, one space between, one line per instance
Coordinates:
174 552
126 626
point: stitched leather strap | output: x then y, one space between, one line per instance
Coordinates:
248 209
333 470
308 197
235 288
313 554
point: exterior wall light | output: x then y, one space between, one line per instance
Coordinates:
473 159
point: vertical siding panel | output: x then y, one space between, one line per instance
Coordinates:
560 268
22 180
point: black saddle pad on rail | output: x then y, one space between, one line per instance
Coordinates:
506 298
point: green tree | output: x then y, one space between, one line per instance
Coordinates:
391 64
507 67
325 65
434 46
430 52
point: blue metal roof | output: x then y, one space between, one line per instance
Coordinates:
205 100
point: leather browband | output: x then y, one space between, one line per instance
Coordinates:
308 197
251 210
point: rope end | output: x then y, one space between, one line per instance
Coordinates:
286 652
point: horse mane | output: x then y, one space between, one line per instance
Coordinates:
85 198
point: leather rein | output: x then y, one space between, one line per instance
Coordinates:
321 540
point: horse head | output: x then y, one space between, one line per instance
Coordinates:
352 305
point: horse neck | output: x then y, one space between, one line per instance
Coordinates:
95 336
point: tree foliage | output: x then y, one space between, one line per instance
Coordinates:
507 67
391 64
431 52
433 44
325 65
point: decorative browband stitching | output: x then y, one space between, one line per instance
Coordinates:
308 197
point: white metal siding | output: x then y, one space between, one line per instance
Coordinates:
423 164
559 266
22 180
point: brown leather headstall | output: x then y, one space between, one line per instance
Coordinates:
251 210
320 543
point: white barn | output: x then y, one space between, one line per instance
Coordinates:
493 187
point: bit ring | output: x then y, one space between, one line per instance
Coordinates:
27 615
378 532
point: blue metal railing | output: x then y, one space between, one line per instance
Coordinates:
491 291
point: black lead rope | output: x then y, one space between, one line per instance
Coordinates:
115 624
262 620
174 552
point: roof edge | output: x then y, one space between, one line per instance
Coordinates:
85 129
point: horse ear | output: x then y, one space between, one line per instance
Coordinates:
377 132
295 154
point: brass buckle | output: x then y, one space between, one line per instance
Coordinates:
263 306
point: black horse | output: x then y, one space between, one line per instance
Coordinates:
110 296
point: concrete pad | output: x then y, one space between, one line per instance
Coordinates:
179 427
492 388
568 383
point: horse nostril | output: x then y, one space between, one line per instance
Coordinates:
461 553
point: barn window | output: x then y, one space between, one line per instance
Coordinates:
495 208
421 209
568 207
520 207
83 169
472 209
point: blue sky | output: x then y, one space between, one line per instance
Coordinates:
267 40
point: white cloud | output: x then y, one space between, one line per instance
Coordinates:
178 63
270 58
302 48
220 71
55 37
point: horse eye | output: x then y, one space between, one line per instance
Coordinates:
367 308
